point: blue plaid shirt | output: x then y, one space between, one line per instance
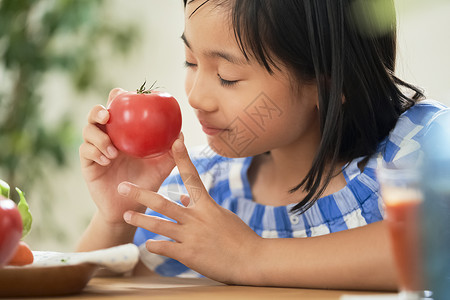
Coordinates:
357 204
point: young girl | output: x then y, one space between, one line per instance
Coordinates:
299 101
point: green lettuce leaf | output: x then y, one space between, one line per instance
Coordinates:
25 213
4 189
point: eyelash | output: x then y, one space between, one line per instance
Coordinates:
189 65
227 83
223 82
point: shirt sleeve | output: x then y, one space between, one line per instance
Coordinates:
404 145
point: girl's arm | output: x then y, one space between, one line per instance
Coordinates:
218 244
358 258
103 168
100 234
111 235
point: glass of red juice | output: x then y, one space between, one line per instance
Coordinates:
402 199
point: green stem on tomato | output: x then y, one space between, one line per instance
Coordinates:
142 89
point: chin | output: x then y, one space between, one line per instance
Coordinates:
227 149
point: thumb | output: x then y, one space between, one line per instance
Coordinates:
188 172
113 94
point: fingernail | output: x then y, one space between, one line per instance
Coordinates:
181 136
123 189
147 243
102 114
127 216
178 145
185 200
112 151
104 159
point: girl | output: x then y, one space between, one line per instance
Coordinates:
299 101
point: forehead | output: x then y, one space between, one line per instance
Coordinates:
193 6
209 26
207 23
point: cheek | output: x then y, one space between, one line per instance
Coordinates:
252 129
188 81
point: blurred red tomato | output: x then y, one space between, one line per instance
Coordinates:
10 229
144 124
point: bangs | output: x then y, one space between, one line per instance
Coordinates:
263 32
251 22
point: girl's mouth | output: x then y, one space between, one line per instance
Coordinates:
211 130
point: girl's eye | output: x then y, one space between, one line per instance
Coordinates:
227 83
189 65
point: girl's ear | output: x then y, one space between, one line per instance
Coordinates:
315 90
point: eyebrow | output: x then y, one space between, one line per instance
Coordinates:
219 54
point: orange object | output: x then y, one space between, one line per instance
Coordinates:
404 226
23 255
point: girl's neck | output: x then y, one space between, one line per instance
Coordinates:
272 175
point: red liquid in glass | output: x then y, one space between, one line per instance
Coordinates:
403 220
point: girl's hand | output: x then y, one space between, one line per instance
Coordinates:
207 238
104 167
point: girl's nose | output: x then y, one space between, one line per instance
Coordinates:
200 94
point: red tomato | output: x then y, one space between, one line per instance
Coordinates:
10 229
144 124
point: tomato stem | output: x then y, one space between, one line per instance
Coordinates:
142 89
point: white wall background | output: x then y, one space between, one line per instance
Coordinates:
424 45
424 50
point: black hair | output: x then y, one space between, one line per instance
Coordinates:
347 47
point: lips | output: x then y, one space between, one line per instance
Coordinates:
210 129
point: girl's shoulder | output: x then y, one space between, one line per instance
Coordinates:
404 143
423 113
402 146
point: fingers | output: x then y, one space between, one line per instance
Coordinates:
98 146
188 172
154 224
98 115
181 137
114 93
89 153
100 140
166 248
185 200
153 201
